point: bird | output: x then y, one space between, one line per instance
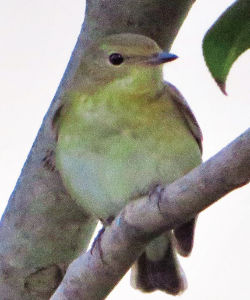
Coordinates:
121 131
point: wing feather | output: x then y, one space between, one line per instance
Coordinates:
186 111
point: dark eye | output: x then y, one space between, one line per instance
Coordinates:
116 59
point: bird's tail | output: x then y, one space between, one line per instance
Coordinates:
158 268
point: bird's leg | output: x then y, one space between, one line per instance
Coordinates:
98 238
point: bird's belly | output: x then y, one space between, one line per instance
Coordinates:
103 180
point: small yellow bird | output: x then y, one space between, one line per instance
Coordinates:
122 130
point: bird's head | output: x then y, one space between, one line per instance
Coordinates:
131 60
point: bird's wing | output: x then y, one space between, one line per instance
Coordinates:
184 235
58 114
186 111
55 120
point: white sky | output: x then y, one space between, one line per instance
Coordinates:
37 38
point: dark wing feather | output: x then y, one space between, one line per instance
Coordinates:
55 120
184 108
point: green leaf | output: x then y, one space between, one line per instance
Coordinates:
226 40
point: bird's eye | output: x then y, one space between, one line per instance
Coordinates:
116 59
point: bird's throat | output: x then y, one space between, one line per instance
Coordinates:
138 84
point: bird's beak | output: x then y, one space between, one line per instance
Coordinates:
161 58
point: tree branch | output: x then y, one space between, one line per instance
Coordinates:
93 276
33 251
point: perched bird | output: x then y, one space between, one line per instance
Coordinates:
122 130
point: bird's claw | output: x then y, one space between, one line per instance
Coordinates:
155 194
97 242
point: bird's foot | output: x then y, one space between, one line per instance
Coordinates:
49 160
155 194
98 238
109 220
97 243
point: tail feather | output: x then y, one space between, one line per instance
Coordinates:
184 237
164 274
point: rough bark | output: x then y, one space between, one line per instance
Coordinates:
93 275
43 229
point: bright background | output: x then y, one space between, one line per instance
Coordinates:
37 38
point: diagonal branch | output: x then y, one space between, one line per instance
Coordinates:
92 276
